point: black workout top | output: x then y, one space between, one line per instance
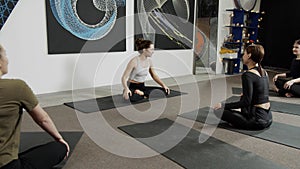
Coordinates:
295 69
255 91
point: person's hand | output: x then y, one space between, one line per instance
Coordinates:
166 89
126 94
275 78
67 145
217 106
288 84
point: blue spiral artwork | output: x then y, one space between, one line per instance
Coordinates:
65 13
82 26
6 7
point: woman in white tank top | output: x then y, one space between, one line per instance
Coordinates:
136 73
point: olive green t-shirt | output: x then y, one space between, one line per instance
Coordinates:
14 96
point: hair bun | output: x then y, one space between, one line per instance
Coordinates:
141 44
139 41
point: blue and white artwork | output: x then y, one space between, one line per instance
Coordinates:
81 26
6 7
65 12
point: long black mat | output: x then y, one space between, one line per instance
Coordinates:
237 90
281 107
278 132
189 153
109 102
32 139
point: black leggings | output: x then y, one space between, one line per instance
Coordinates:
294 89
147 90
40 157
239 119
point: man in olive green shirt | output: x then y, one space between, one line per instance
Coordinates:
15 95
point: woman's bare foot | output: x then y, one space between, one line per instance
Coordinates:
275 89
289 95
139 92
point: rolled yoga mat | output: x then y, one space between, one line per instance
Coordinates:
189 153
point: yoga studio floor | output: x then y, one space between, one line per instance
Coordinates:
101 143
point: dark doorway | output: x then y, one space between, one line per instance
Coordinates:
280 28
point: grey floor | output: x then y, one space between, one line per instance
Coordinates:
98 148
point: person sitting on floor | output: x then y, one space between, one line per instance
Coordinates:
136 72
14 96
254 103
290 87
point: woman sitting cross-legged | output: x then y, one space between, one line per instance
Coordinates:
290 87
254 103
134 76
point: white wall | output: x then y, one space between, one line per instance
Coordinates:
25 39
223 20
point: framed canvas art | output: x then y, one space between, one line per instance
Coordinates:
83 26
167 23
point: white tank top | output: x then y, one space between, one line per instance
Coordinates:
139 73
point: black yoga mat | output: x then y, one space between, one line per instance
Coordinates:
189 153
32 139
237 90
109 102
278 132
281 107
287 108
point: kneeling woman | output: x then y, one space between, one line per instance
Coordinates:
136 72
254 103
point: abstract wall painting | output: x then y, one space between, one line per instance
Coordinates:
168 23
84 26
6 7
